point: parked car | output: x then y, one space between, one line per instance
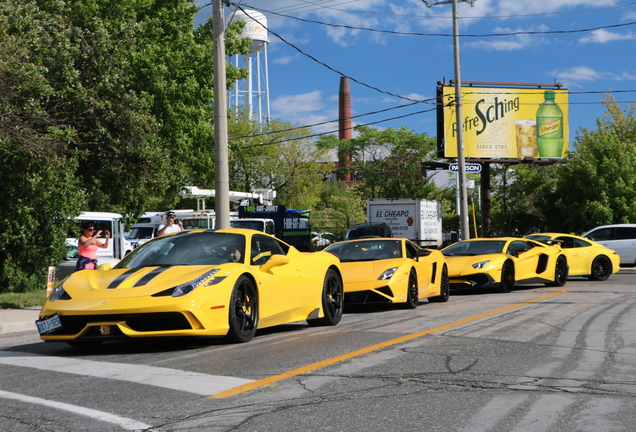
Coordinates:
322 240
391 270
225 283
368 230
620 238
504 262
585 257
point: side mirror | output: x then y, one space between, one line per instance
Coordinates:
104 267
275 261
423 253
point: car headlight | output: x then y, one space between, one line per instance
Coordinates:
480 265
387 274
59 293
187 287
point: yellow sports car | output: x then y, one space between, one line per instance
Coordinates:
225 283
391 270
585 257
504 262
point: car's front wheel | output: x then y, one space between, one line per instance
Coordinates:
507 277
412 291
243 314
601 268
332 300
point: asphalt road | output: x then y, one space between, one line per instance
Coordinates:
537 359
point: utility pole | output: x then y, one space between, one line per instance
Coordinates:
461 161
221 158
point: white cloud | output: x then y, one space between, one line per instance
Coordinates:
514 42
604 36
574 76
283 60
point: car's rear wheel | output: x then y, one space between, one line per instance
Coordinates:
445 288
243 314
560 272
412 292
332 300
601 268
507 277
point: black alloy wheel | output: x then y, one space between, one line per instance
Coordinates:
601 268
507 277
412 292
243 314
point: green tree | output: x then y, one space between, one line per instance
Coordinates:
387 162
278 156
103 107
598 184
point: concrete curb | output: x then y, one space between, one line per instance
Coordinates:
18 320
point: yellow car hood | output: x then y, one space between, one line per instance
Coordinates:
120 283
367 271
461 265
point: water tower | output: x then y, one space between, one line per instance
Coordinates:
252 92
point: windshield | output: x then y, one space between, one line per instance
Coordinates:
366 250
139 233
365 231
187 248
475 247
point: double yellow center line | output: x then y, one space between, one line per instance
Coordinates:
304 369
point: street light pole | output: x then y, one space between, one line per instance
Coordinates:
461 161
221 158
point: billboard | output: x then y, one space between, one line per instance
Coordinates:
502 123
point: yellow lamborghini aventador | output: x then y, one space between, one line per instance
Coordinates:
504 262
391 270
225 283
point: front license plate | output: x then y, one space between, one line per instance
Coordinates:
49 324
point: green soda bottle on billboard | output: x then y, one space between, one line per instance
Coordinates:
550 128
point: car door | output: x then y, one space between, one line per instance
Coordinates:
527 256
279 288
625 244
576 253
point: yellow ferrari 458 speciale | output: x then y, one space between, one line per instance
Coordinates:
504 262
391 270
223 283
585 257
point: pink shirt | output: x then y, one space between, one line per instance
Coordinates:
89 251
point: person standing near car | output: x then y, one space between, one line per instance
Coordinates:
172 225
87 246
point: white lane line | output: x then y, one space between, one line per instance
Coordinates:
191 382
124 422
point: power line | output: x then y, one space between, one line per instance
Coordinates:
324 64
353 11
463 35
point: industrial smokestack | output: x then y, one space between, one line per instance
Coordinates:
344 123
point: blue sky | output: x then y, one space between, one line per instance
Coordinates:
589 46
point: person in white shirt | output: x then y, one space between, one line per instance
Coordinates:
171 226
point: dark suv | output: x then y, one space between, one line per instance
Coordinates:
368 230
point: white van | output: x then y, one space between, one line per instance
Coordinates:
620 238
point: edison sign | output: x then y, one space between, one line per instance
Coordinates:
504 123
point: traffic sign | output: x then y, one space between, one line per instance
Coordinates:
470 167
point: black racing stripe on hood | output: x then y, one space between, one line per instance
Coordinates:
122 277
150 276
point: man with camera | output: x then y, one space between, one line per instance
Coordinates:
172 224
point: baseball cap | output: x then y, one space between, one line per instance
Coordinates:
171 213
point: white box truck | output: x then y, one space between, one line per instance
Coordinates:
418 220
